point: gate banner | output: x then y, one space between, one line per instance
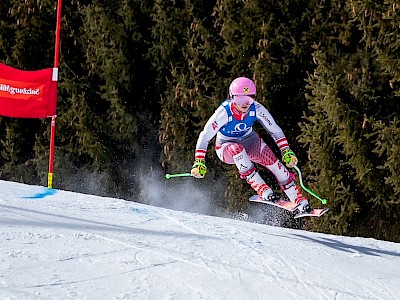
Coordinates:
28 94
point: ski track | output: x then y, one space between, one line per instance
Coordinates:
264 263
366 285
342 273
175 220
341 292
319 289
34 267
129 247
271 273
389 291
211 270
299 280
281 282
181 224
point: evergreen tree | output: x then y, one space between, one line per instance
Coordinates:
269 44
25 29
187 80
135 71
345 129
103 107
256 39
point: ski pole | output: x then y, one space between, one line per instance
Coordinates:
306 189
168 176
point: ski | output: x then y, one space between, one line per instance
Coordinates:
290 206
316 212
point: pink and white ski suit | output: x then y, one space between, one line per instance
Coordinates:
237 143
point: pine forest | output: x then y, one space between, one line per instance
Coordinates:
138 80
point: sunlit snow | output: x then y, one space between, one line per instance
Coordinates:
64 245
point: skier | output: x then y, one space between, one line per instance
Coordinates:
237 143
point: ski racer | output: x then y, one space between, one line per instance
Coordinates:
237 143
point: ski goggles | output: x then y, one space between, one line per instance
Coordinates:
244 99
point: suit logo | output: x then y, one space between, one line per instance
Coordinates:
241 128
214 125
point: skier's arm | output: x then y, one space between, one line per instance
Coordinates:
218 119
269 124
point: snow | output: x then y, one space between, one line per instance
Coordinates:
62 245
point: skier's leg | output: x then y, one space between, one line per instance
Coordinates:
260 153
235 153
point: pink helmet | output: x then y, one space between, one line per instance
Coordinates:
242 91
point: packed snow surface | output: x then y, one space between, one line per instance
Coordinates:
63 245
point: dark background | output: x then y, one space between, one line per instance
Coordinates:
139 79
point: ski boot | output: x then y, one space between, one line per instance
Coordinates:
269 195
304 205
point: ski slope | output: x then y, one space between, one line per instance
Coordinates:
64 245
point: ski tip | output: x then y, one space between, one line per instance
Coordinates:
255 198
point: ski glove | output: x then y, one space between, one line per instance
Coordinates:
199 169
289 158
